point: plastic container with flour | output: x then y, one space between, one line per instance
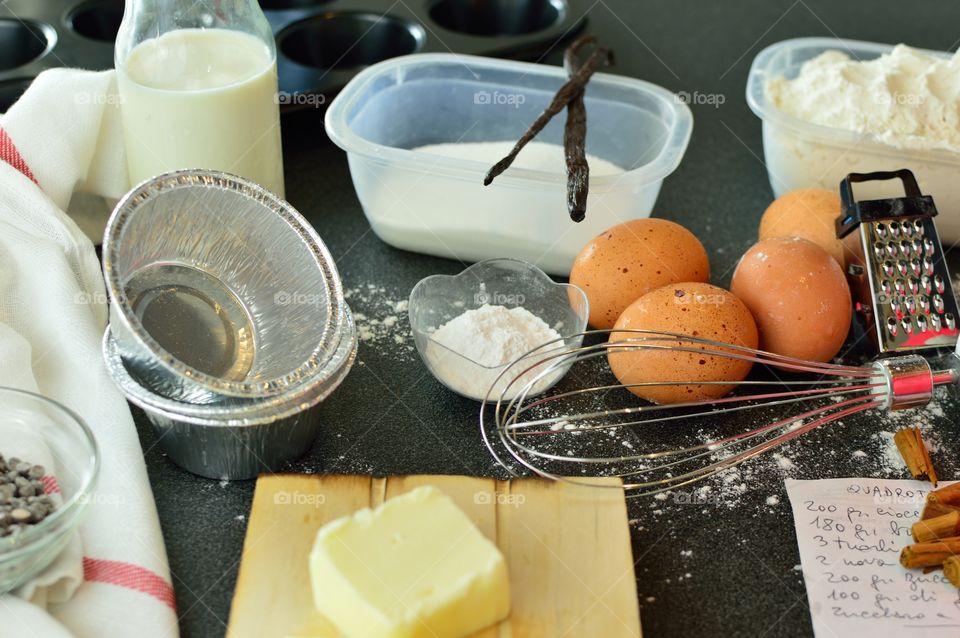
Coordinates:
198 90
802 154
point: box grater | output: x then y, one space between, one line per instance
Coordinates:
898 276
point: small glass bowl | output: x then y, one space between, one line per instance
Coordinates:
32 428
437 299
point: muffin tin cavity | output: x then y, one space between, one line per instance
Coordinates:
496 17
349 40
11 90
98 19
22 42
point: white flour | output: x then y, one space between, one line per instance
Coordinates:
905 98
536 156
744 485
381 319
491 336
891 463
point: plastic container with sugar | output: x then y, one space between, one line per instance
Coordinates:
437 204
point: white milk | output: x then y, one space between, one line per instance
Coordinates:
202 98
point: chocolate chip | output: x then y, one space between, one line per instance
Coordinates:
23 501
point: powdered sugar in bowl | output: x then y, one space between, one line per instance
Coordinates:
470 327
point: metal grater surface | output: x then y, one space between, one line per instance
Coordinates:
898 276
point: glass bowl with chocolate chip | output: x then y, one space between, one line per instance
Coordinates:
48 469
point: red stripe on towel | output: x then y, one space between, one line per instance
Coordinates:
10 155
129 576
50 485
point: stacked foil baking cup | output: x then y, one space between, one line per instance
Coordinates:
228 324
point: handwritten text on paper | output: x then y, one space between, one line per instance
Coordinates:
850 533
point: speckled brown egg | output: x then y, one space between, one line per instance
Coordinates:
633 258
689 308
808 213
798 295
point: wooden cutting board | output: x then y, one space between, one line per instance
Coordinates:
567 549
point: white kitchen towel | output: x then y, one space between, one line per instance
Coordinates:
61 139
60 581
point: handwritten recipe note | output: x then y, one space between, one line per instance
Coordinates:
850 533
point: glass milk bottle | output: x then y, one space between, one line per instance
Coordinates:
198 87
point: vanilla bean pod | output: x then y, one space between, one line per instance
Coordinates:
567 92
575 139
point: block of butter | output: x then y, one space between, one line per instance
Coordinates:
415 567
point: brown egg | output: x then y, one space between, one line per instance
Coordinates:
689 308
798 296
809 213
633 258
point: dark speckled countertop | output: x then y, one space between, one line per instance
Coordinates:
723 568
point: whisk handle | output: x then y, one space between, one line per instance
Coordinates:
909 381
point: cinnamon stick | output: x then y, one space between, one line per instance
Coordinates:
934 509
914 453
949 495
951 569
932 529
929 554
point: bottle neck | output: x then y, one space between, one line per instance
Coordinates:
147 19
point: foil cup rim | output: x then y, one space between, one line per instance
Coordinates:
187 376
249 413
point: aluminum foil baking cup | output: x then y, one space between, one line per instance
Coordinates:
220 291
244 439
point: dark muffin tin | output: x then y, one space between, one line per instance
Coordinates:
321 44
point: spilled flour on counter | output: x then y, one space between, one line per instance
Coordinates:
857 445
891 464
381 318
874 455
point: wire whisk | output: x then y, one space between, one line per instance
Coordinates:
603 430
